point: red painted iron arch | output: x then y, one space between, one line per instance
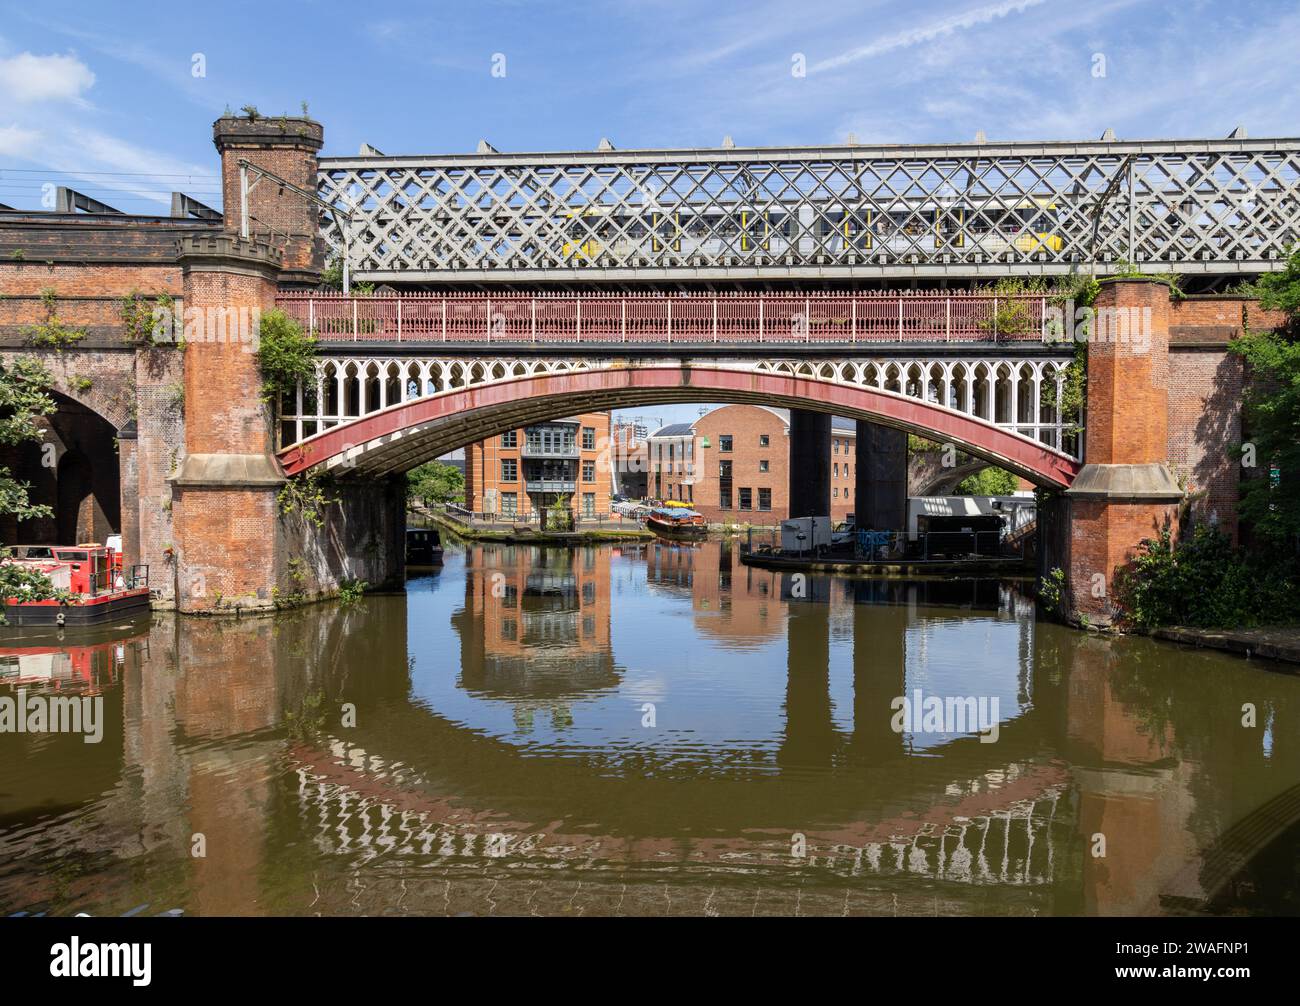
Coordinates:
402 436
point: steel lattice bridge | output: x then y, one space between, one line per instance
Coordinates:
1209 207
404 378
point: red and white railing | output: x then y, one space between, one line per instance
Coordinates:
779 318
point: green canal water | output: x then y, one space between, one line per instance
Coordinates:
649 729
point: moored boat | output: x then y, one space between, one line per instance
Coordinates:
677 522
90 583
423 547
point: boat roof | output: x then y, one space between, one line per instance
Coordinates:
676 511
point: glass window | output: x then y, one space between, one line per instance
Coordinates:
724 499
762 466
510 503
724 442
835 446
765 499
589 438
589 504
589 471
764 440
746 499
509 470
835 473
510 439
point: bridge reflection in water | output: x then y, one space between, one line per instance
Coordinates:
504 758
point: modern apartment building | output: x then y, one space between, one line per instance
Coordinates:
528 470
733 464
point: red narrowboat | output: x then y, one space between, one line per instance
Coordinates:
97 587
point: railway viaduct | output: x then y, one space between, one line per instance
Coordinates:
516 288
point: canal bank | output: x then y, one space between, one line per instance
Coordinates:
527 534
1277 643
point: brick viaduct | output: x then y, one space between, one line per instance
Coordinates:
171 445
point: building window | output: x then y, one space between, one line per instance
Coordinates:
510 439
724 499
762 466
764 440
589 504
835 492
690 492
724 442
765 499
836 470
510 504
746 499
589 471
509 629
589 592
835 446
589 438
509 469
848 446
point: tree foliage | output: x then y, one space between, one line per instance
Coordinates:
1271 499
24 398
990 481
435 483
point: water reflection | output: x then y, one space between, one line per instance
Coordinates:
654 729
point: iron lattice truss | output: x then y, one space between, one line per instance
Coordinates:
1212 207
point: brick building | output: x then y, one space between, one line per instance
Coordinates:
525 471
733 464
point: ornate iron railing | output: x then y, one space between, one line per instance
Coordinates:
681 318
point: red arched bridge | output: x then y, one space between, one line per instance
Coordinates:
403 380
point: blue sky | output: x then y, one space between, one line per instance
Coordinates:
105 96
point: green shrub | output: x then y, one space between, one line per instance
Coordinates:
285 355
1206 583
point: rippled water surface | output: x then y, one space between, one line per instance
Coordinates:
648 729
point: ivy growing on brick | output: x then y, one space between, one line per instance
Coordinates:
285 355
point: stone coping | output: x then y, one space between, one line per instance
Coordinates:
1120 483
229 471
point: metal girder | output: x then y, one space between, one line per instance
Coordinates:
992 209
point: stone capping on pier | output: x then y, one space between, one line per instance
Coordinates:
228 470
1125 482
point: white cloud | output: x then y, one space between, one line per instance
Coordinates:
29 78
15 141
926 33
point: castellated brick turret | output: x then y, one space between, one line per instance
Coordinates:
287 148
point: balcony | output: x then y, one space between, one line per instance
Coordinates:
549 450
551 485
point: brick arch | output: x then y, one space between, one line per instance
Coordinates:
403 436
111 394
